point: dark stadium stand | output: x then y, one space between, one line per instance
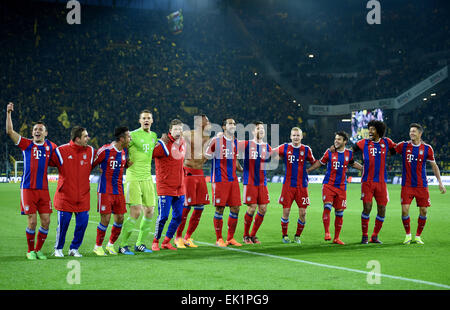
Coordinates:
101 73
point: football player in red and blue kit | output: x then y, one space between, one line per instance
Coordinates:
256 153
112 159
34 195
295 184
373 182
223 152
415 155
334 189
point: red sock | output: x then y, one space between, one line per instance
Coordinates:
247 223
300 226
232 223
30 239
218 223
406 224
184 216
42 235
115 232
326 219
365 224
378 224
284 226
338 220
193 222
258 221
421 224
100 236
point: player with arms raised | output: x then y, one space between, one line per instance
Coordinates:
34 195
196 191
334 189
415 154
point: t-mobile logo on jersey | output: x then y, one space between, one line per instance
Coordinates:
37 153
227 153
146 147
113 164
254 155
373 152
291 158
409 157
336 165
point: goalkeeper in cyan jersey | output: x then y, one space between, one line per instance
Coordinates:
140 193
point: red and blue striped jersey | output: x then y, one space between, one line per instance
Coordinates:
255 157
36 158
415 159
295 159
112 163
224 156
374 156
337 163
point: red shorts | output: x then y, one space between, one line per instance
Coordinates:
195 187
226 194
110 203
336 196
421 194
289 194
32 200
377 190
254 194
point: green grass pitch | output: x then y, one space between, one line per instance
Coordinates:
272 265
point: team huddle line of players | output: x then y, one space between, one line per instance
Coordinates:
181 186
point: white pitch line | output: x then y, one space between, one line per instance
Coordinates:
322 265
333 267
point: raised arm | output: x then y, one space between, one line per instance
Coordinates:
9 125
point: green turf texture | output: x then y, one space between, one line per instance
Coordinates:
272 265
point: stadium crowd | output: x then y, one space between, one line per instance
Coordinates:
101 73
